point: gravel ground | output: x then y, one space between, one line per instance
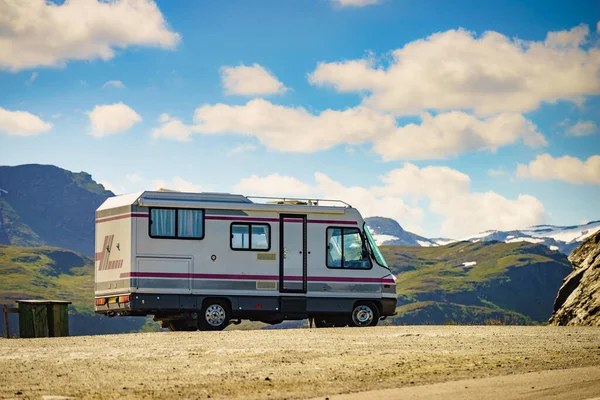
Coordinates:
295 363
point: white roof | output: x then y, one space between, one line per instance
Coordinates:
119 201
209 200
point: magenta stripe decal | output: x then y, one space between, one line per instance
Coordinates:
240 219
132 215
183 275
252 219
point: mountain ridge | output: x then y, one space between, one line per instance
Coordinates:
44 205
388 232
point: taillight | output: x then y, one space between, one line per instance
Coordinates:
100 301
125 299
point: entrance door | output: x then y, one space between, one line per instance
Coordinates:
292 253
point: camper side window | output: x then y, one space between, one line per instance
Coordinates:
253 237
173 223
346 249
162 222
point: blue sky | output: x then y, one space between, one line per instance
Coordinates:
406 109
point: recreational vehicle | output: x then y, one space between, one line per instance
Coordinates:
205 260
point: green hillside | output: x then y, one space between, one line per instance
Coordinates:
57 274
43 205
483 282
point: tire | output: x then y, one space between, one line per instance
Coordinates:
177 325
364 314
214 316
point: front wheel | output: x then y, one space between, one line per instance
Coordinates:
364 314
215 316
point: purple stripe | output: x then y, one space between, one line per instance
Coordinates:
252 219
134 215
331 221
241 219
184 275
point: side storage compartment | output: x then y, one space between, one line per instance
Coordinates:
164 274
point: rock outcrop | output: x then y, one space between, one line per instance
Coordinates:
578 299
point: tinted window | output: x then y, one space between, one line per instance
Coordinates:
246 236
240 239
176 223
162 222
346 249
189 224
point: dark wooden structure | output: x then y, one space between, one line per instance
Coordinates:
7 310
43 318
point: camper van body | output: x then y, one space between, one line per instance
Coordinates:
173 255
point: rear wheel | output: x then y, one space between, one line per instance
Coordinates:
364 314
215 316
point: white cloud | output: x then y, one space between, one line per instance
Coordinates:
446 190
369 203
273 185
21 123
112 119
56 115
566 168
250 81
115 84
457 70
582 128
470 213
115 189
354 3
32 78
41 33
429 181
172 128
275 126
177 183
496 172
134 178
456 132
242 148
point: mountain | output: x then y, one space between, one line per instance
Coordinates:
388 232
476 283
578 300
43 205
58 274
560 238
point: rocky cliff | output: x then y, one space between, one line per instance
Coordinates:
578 299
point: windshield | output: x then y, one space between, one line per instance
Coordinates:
376 252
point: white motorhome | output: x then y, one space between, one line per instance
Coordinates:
203 260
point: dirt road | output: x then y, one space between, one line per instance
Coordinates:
299 363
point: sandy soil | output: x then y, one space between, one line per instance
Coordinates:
299 363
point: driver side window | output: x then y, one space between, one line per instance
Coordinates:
346 249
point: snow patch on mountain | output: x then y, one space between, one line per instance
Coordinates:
382 239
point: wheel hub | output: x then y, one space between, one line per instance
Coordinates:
215 315
363 315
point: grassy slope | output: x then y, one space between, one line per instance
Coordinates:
56 274
513 283
46 272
